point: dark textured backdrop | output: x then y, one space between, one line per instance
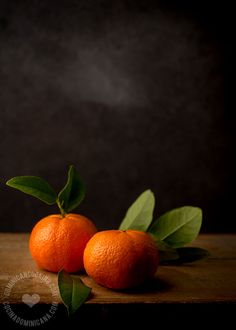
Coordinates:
136 94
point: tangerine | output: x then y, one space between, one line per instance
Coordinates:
121 259
58 242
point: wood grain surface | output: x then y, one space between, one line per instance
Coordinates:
208 281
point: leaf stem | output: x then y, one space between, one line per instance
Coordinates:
63 213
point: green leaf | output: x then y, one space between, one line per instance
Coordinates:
34 186
179 226
74 191
139 215
72 290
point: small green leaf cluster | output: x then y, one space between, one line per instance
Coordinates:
171 231
68 198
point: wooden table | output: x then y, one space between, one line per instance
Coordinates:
210 282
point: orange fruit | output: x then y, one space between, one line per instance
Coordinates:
58 243
120 259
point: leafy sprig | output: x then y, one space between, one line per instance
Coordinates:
171 231
68 198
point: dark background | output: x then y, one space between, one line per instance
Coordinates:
135 94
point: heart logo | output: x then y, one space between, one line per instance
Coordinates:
30 300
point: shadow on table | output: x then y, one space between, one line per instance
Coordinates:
151 286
